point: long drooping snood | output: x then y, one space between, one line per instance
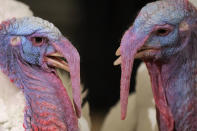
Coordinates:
173 78
128 52
73 58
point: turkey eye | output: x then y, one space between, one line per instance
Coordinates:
38 41
162 32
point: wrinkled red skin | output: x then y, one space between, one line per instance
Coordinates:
164 115
48 106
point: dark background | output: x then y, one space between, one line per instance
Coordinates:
95 28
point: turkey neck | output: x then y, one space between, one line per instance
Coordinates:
174 85
48 106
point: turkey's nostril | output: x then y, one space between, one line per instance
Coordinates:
15 41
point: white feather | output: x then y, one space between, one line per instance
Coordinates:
12 106
13 8
194 2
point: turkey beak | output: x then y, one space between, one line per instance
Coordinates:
69 53
57 60
131 42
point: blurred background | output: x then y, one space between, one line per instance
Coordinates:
95 29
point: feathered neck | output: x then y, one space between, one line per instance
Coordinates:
48 106
174 84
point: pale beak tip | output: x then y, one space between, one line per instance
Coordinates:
118 52
55 60
117 62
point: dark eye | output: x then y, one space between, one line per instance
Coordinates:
38 41
163 32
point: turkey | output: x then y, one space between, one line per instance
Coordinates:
141 112
12 108
30 49
164 36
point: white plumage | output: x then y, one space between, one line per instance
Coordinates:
12 101
12 105
12 8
